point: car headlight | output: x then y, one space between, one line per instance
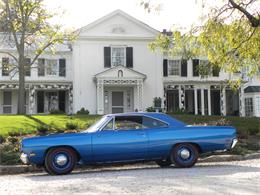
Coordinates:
234 142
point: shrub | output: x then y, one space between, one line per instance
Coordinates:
221 122
9 154
253 131
56 111
83 111
150 109
72 125
2 139
14 134
12 139
42 130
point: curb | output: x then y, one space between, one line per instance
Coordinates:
19 169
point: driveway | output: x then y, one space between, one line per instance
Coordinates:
237 177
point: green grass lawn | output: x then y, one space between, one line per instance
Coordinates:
29 124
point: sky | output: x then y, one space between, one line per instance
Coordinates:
174 13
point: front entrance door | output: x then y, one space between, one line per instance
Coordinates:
40 102
117 101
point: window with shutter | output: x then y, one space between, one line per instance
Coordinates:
107 57
62 67
195 63
5 67
129 57
165 67
27 67
184 68
41 67
215 71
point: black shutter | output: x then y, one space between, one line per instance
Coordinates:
41 67
165 67
195 63
215 71
129 57
107 57
62 67
27 67
183 68
5 66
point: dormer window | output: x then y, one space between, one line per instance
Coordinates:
118 56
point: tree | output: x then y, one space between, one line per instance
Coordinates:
25 26
229 37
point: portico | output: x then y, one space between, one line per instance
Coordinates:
202 99
119 89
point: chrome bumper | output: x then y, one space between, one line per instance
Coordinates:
24 158
234 142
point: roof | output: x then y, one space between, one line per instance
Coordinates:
122 13
252 89
114 72
161 116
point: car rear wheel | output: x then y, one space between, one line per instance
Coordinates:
184 155
164 163
60 161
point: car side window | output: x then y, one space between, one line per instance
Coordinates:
128 122
152 123
109 125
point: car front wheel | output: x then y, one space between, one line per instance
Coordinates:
184 155
60 161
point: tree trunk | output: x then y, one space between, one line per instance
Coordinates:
21 91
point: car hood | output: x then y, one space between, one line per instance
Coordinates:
62 138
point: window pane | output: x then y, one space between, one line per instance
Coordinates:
174 67
129 122
41 68
249 106
51 67
5 67
258 105
109 125
118 56
152 123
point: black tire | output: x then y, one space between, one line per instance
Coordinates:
54 167
164 163
180 159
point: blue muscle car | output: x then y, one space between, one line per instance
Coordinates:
127 137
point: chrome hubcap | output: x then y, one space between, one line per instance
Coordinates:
185 154
61 159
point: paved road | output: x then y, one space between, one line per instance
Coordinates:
238 177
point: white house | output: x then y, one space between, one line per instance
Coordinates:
110 69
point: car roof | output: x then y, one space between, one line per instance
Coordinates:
161 116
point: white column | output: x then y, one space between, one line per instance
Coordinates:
180 104
31 102
100 97
202 102
70 110
224 108
196 100
241 102
209 102
140 95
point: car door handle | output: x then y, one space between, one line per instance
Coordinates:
140 133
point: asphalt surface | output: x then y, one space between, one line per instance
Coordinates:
237 177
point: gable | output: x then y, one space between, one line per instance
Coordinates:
118 24
120 72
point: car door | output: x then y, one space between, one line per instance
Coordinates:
122 139
159 138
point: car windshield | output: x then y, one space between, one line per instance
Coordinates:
97 125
